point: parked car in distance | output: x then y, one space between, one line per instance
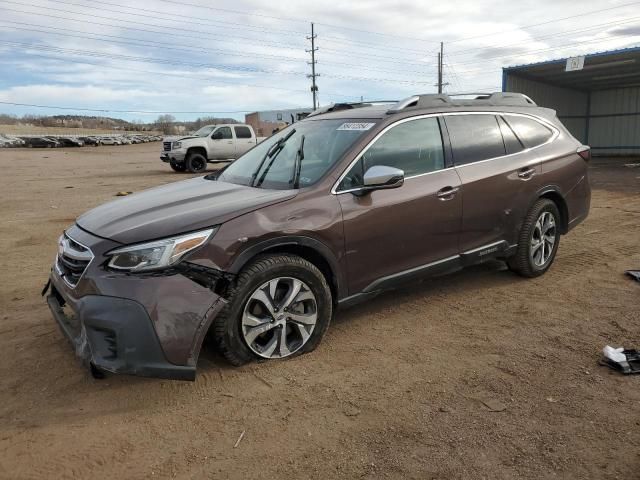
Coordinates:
11 141
40 142
210 143
91 140
68 141
351 201
108 141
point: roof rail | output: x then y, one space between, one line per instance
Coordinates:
336 107
435 100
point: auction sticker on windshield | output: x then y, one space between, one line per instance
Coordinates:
356 126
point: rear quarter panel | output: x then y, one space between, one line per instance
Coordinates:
567 173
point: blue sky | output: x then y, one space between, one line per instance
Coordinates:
203 57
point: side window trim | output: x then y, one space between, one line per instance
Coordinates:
358 157
447 145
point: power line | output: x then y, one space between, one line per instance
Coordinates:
338 27
176 46
192 19
188 77
212 35
395 60
260 29
113 56
139 41
108 110
460 52
546 22
553 48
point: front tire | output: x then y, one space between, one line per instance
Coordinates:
279 306
177 167
196 163
539 240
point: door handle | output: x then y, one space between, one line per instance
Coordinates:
230 143
527 173
447 193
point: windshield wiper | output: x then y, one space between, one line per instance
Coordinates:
298 164
272 153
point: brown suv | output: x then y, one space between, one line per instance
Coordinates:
353 200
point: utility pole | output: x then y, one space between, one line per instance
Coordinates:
314 87
440 67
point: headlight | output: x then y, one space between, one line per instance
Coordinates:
177 145
159 254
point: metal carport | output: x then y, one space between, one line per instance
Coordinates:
599 103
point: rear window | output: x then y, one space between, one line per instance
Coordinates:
474 137
242 132
531 132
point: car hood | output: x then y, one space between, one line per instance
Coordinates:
179 139
176 208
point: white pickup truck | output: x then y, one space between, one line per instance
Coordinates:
209 144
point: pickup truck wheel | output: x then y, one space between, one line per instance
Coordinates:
279 306
539 240
196 163
177 167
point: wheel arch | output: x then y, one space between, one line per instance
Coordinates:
556 197
308 248
198 149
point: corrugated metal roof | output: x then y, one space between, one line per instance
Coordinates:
602 70
586 55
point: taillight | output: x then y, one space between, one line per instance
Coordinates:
585 152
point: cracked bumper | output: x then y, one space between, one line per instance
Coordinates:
115 335
147 325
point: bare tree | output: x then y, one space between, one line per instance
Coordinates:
166 123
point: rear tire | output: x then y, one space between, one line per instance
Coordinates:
539 240
196 163
232 330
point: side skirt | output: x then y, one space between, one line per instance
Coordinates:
496 250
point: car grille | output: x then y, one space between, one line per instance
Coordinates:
167 146
72 260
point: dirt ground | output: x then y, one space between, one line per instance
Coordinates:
480 374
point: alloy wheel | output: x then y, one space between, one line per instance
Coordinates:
279 317
543 239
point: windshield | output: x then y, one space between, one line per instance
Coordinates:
205 131
300 154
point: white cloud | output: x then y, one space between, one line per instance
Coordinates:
169 57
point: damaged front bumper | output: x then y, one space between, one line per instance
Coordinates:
146 325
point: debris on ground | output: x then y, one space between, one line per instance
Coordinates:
624 361
239 439
493 405
632 165
123 194
635 274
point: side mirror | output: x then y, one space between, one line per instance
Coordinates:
216 135
381 177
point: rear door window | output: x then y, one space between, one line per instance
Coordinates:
474 137
531 132
415 147
242 132
511 143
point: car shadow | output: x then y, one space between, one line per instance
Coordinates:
472 279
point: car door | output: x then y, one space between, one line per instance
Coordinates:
223 143
244 139
391 234
498 176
